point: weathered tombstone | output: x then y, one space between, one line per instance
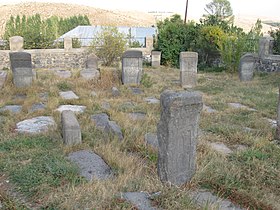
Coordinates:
156 55
149 43
188 69
246 67
68 43
132 67
278 118
16 43
70 128
177 136
21 66
265 46
92 62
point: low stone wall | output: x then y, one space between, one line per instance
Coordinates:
51 58
270 63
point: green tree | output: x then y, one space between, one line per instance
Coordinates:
221 9
109 45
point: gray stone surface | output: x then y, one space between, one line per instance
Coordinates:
151 139
37 107
140 200
156 56
73 108
136 91
188 69
115 92
152 100
277 136
63 73
272 122
177 136
16 43
22 69
221 148
135 116
103 123
132 67
105 105
16 109
68 44
36 125
208 109
92 167
246 67
89 74
3 78
240 106
265 46
92 62
93 94
206 199
44 96
19 96
71 130
68 95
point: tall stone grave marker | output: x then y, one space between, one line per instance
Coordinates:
177 136
68 43
132 67
156 55
16 43
246 67
92 62
21 66
265 46
188 69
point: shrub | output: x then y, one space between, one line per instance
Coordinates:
109 45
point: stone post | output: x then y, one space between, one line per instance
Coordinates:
68 43
156 56
265 46
70 128
188 69
246 67
149 43
177 136
92 62
132 67
21 66
16 43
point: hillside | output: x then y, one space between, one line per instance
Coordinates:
96 16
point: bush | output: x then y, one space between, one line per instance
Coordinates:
109 45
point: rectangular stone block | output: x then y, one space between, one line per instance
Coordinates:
188 69
156 56
132 67
70 128
247 67
177 136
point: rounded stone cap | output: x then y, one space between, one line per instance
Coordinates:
156 52
248 57
132 54
188 55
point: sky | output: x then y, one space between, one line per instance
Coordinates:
256 8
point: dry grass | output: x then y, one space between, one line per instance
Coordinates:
250 178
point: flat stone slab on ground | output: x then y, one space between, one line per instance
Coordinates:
151 139
272 122
205 198
89 74
103 123
37 107
136 91
36 125
92 167
137 116
19 96
106 105
240 106
220 147
44 96
73 108
63 73
152 100
140 200
208 109
68 95
3 77
12 108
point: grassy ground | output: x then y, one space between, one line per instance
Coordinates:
36 166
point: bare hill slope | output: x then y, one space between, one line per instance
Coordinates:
96 16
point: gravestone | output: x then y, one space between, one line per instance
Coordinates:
140 200
16 43
36 125
177 136
156 55
15 109
63 73
68 43
188 69
3 77
246 67
68 95
265 46
132 67
73 108
90 74
71 130
21 66
92 62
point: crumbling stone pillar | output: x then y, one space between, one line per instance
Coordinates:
188 69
